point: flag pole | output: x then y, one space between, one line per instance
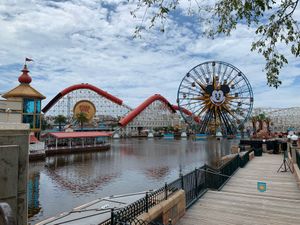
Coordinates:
28 60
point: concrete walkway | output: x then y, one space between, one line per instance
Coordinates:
239 202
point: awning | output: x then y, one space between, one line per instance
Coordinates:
89 134
33 139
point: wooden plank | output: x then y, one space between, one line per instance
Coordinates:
239 202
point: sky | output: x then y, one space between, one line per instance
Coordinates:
91 41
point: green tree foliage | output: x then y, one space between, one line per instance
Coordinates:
268 122
254 120
60 120
274 23
81 118
45 124
261 118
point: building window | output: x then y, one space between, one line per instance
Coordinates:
37 106
32 112
28 119
37 121
28 105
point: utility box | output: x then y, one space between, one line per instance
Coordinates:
14 144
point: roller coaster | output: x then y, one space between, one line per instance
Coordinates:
282 119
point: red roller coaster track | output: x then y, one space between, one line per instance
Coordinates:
134 113
131 115
187 112
81 86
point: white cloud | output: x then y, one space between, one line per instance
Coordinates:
86 41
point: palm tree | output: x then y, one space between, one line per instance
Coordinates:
81 118
60 119
45 124
268 121
254 121
261 119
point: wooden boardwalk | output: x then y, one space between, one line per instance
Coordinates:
239 202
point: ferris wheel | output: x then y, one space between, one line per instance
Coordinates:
218 94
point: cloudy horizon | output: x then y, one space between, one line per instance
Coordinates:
89 41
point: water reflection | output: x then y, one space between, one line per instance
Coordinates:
81 173
33 194
64 182
158 173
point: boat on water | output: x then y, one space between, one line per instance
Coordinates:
238 136
219 135
168 136
200 136
150 135
183 134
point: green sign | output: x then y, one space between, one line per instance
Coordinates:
261 186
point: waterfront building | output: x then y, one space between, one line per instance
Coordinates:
22 104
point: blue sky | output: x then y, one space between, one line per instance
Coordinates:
83 41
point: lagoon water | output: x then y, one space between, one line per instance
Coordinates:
131 165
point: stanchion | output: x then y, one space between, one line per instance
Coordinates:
285 163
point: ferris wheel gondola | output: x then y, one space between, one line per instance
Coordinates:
217 93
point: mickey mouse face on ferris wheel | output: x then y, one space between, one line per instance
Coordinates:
217 96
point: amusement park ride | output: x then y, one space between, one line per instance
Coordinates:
213 97
219 94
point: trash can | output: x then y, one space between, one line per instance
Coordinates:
258 151
276 147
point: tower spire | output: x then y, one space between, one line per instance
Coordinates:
24 78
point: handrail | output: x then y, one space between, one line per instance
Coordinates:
6 215
194 183
298 158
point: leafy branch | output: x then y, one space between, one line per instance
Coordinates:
274 23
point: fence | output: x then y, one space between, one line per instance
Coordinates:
142 222
216 178
195 184
298 158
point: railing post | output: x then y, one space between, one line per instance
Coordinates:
166 191
293 154
181 178
204 168
196 182
147 201
112 222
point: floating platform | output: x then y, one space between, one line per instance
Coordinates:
42 154
95 212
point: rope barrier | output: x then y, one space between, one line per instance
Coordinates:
215 173
224 175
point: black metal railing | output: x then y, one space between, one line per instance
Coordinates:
142 222
142 205
244 159
298 158
195 184
216 178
